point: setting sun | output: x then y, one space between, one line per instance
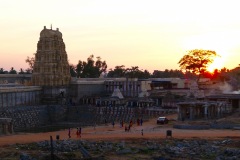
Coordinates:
218 63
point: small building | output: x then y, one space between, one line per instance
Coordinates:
6 126
232 98
202 110
129 87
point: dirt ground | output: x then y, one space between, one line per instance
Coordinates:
150 131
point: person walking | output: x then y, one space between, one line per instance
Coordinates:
105 121
77 133
141 121
131 123
138 121
69 132
126 128
80 132
113 124
129 127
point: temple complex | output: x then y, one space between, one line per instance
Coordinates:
43 97
51 66
203 110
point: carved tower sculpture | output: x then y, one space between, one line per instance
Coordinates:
51 66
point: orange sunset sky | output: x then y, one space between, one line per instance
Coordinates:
151 34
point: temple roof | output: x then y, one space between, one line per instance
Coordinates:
50 33
117 93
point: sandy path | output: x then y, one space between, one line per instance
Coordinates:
150 130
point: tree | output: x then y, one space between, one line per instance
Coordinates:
1 71
134 72
91 69
28 71
30 62
119 71
12 71
21 71
167 74
196 61
72 70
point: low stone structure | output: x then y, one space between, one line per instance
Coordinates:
19 95
202 110
6 126
15 79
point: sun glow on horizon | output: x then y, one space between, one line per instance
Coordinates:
223 43
218 63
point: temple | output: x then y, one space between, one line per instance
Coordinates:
51 66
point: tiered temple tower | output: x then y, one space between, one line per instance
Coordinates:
51 66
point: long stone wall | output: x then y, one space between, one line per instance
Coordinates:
16 96
15 78
27 118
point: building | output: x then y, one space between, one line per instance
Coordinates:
129 87
203 110
52 84
51 68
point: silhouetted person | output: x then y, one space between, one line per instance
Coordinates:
69 132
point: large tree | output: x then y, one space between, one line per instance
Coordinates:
134 72
91 69
12 71
30 61
196 61
73 70
1 71
167 74
21 71
119 71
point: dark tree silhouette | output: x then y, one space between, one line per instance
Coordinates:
168 74
134 72
119 71
196 61
12 71
1 71
72 70
21 71
91 69
30 62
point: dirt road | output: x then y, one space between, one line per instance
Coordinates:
150 131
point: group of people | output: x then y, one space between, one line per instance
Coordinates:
127 127
78 132
139 122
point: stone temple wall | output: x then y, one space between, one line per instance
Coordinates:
16 96
15 79
24 117
27 118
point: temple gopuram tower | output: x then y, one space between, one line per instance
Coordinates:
51 68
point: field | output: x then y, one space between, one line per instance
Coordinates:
148 141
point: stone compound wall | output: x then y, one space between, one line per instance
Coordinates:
21 95
17 79
22 104
30 117
25 117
